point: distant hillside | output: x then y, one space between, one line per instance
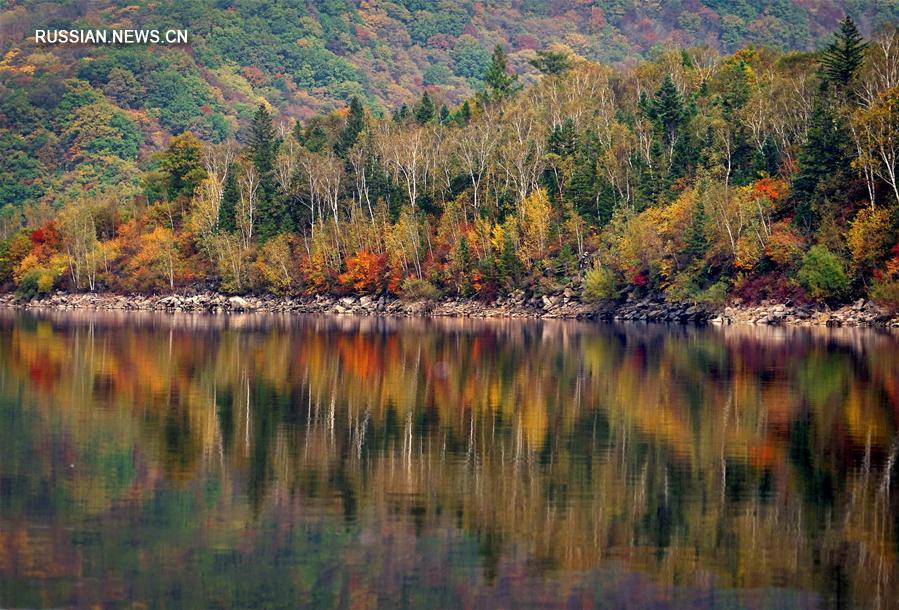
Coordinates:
99 110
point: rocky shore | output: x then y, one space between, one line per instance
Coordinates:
564 305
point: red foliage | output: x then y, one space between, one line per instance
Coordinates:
597 18
770 188
254 75
639 279
365 272
526 41
47 235
772 287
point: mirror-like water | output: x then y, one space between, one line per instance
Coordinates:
193 462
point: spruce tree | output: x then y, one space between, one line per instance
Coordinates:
823 162
509 263
463 115
842 57
667 110
315 138
228 208
499 82
355 123
263 146
424 110
551 62
697 243
582 187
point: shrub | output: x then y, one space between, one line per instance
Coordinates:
37 282
869 238
822 274
365 272
886 294
716 294
414 288
600 284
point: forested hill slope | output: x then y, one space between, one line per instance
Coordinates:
78 118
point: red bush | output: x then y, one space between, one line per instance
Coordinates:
365 272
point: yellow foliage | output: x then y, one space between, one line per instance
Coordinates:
535 211
868 237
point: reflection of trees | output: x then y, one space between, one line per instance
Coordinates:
752 457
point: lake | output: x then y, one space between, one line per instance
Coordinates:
258 461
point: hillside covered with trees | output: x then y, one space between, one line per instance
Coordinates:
757 174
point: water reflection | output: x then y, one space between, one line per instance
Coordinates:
265 461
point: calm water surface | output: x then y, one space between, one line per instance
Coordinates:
263 462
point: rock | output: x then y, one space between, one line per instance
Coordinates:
239 304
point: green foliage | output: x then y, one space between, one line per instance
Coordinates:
823 163
843 57
551 62
182 167
424 111
886 294
414 288
499 82
600 284
355 123
470 59
262 147
823 274
227 220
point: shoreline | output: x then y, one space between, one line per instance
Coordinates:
563 306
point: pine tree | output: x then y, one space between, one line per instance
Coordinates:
562 140
315 138
263 146
424 110
551 62
667 110
842 58
463 115
444 115
500 83
697 243
463 265
355 123
823 162
509 263
581 191
228 208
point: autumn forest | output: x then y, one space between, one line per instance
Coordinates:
693 175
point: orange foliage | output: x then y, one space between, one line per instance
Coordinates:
365 272
770 188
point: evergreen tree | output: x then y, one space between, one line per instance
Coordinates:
499 82
401 114
551 62
582 186
509 263
355 123
444 115
424 110
315 139
463 265
228 208
823 162
463 115
697 243
842 58
667 110
562 140
263 146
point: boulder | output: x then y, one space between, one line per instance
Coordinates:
239 304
